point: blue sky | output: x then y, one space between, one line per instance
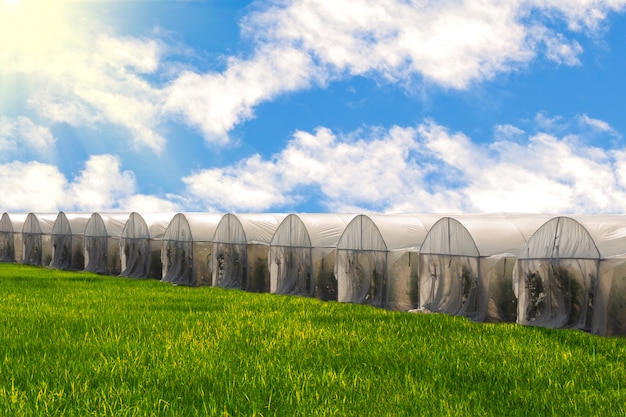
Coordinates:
313 105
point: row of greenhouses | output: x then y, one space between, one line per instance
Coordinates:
541 270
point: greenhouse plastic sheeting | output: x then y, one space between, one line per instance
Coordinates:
102 242
186 250
466 264
141 242
7 239
17 222
570 275
36 239
449 269
377 260
67 241
609 305
241 251
302 254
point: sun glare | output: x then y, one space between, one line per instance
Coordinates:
30 27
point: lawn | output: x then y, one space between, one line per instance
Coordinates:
78 344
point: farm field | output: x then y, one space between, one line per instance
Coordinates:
79 344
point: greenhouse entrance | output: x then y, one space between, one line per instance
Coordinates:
449 270
7 244
362 264
557 276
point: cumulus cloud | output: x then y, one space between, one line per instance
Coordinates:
561 50
148 204
452 44
545 174
350 170
100 185
251 185
104 85
143 55
20 134
118 81
422 168
578 14
296 45
80 73
216 102
426 168
449 43
31 186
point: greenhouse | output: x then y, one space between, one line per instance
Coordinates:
102 242
67 241
10 251
540 270
302 255
241 251
572 274
141 242
186 248
466 265
36 239
377 259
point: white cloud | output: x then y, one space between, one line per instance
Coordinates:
422 169
20 134
620 165
426 168
148 204
216 102
579 14
143 55
80 74
561 50
31 186
547 175
452 44
368 169
101 185
507 132
598 125
85 75
252 185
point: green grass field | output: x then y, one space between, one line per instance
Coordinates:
78 344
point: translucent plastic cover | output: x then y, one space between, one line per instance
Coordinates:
569 272
240 251
186 248
36 236
299 248
102 242
67 241
7 248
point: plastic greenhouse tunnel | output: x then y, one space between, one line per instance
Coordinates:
67 241
102 242
241 251
466 265
186 248
572 274
377 258
36 239
302 255
7 238
141 242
